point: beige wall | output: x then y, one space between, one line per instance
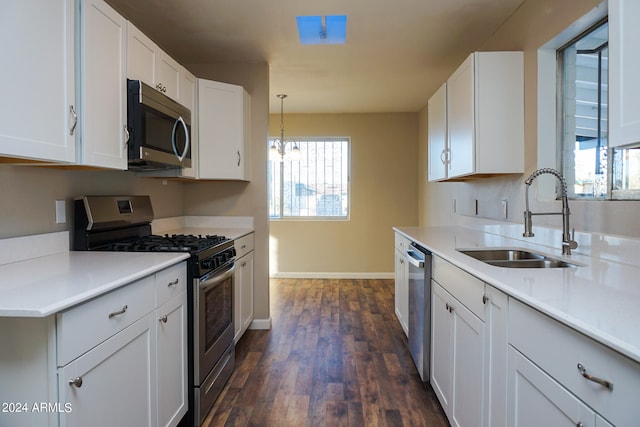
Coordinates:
384 186
28 194
242 198
534 24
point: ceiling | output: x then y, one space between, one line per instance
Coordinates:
396 55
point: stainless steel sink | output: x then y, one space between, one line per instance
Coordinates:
515 258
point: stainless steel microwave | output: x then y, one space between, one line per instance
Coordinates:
159 129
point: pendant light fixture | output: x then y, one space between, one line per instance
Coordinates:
278 150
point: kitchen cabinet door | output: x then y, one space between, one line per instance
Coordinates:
438 152
102 90
497 350
624 69
114 383
243 294
535 399
168 75
468 400
460 120
441 346
224 131
172 360
147 62
246 280
38 80
402 290
457 359
142 56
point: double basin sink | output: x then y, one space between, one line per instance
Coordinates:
515 258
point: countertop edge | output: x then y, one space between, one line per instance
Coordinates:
594 333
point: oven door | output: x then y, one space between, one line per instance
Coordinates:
214 325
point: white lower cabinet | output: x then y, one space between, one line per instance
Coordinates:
243 286
458 359
401 291
468 347
536 399
113 384
117 360
556 371
172 360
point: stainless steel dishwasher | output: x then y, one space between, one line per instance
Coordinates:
420 308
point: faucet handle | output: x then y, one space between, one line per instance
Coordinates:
573 244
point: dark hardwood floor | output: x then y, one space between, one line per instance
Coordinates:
335 356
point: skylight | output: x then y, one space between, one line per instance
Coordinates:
322 29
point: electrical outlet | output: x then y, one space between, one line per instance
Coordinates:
61 212
505 213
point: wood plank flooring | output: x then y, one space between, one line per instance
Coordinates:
335 356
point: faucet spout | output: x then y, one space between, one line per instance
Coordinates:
567 239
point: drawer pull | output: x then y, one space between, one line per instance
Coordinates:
76 382
604 383
119 312
175 282
163 319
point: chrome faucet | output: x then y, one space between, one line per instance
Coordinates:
567 239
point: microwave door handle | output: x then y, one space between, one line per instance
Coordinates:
173 139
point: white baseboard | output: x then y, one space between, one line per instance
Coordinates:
263 324
330 275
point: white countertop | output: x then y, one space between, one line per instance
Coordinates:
45 285
600 298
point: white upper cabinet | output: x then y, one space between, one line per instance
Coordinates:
438 134
101 86
224 131
37 84
624 69
484 119
147 62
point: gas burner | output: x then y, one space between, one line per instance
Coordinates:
167 243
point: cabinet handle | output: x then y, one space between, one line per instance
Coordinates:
243 247
449 307
442 156
175 282
485 299
579 424
243 264
119 312
76 382
163 319
401 261
72 110
604 383
159 87
239 157
126 136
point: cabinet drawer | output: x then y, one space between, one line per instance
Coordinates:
558 349
170 282
402 243
87 325
243 245
468 289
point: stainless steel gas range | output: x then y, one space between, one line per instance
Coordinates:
123 223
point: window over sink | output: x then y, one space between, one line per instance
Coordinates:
592 168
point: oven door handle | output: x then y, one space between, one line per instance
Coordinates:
217 278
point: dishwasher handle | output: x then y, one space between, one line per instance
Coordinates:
415 258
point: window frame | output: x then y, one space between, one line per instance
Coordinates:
290 142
